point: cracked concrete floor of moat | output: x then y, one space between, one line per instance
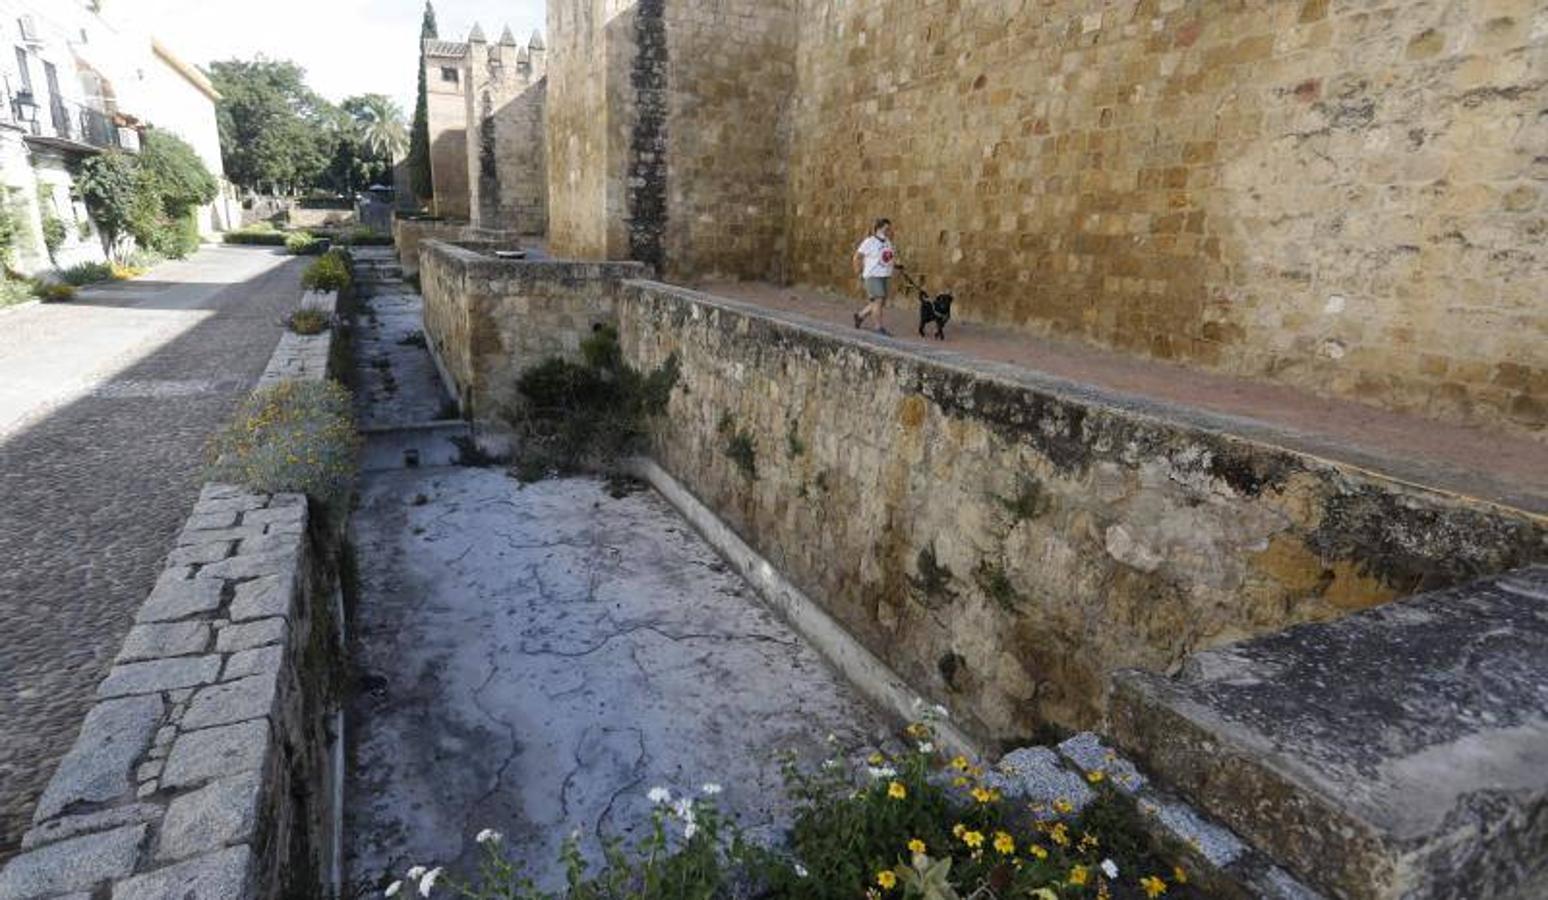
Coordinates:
534 658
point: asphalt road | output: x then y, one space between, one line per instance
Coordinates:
106 404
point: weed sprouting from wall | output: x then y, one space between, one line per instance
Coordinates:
996 585
793 443
933 582
740 447
1029 502
296 436
586 416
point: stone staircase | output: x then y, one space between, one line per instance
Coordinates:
1398 752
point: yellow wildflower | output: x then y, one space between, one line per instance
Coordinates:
1004 843
1079 875
886 879
1039 852
1154 887
1178 875
959 763
1060 835
876 759
916 846
918 730
1063 807
958 829
973 838
979 794
959 781
1095 776
897 791
1087 839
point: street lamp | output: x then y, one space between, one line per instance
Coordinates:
27 109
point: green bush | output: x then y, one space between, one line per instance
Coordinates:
295 436
268 237
366 236
86 273
54 234
579 416
302 243
152 196
330 272
14 291
53 292
308 321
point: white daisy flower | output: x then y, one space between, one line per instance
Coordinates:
415 873
879 772
427 883
683 808
489 835
926 747
710 789
659 795
393 889
800 870
1110 868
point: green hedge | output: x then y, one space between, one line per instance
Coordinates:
265 238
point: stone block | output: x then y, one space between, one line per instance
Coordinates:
69 826
1182 823
199 554
225 875
198 756
290 514
159 675
220 813
175 597
159 640
214 490
1087 752
72 865
247 635
1396 752
253 662
231 701
1035 775
252 566
205 521
236 503
262 597
238 533
97 769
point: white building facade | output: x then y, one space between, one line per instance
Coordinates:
79 80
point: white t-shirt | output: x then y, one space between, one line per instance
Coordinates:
877 254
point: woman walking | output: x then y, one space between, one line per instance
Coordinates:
874 261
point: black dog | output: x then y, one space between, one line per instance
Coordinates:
937 311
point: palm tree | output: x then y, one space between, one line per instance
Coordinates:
381 127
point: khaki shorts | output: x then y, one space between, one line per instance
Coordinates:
876 288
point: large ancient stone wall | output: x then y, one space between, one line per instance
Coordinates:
585 121
1347 196
446 117
1005 544
507 171
1344 196
668 133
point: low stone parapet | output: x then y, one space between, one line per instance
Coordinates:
203 769
487 318
409 234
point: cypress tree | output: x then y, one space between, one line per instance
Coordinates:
419 139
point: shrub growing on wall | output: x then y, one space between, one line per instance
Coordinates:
330 272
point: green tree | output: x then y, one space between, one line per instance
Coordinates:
272 126
380 125
419 141
151 196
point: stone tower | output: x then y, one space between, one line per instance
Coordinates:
503 110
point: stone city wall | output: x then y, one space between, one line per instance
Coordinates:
446 117
507 170
204 768
668 133
1344 196
1005 543
487 319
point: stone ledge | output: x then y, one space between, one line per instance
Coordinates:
177 773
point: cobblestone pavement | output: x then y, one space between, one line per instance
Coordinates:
105 408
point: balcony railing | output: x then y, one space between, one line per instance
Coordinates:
66 120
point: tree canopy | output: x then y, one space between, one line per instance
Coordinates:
278 135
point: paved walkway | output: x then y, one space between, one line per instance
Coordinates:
105 407
1498 468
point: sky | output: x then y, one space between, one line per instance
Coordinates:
346 46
